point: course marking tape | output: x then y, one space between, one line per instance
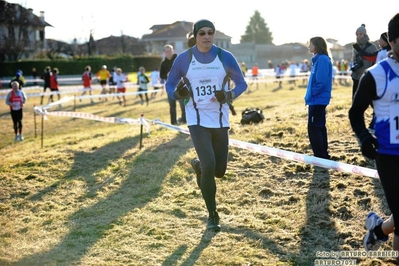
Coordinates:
42 110
287 155
298 157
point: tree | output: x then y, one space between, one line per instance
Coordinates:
91 45
14 27
257 31
123 44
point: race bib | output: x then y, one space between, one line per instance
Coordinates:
394 122
16 106
204 89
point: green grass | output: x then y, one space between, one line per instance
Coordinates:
91 196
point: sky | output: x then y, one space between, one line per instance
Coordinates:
288 21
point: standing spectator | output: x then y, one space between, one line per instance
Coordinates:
384 47
197 76
46 77
190 39
343 71
380 85
120 79
270 64
166 65
103 75
255 71
35 75
54 85
334 74
380 54
112 83
86 78
293 70
143 81
377 56
155 81
279 73
360 64
304 71
318 96
244 68
16 99
19 78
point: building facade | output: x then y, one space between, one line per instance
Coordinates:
176 35
22 33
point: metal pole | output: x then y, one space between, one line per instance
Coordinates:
42 129
34 120
141 131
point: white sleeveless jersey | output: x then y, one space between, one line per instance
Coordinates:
203 108
386 106
120 80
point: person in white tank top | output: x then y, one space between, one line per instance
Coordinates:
200 76
380 85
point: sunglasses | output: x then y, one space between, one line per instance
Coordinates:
202 33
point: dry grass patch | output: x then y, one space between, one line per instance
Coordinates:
91 196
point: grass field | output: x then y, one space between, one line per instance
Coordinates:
91 196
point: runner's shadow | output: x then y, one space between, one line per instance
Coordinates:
318 219
99 159
206 240
91 222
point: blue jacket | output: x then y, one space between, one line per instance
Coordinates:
320 81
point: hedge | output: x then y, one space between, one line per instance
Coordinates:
77 66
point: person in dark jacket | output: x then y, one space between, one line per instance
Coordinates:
46 77
19 78
35 75
165 67
360 64
376 57
379 55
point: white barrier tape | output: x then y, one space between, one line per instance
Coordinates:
177 128
292 156
27 80
48 106
105 95
67 89
116 94
42 110
268 73
81 90
145 123
288 155
115 120
264 79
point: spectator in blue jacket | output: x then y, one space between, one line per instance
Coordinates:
318 95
